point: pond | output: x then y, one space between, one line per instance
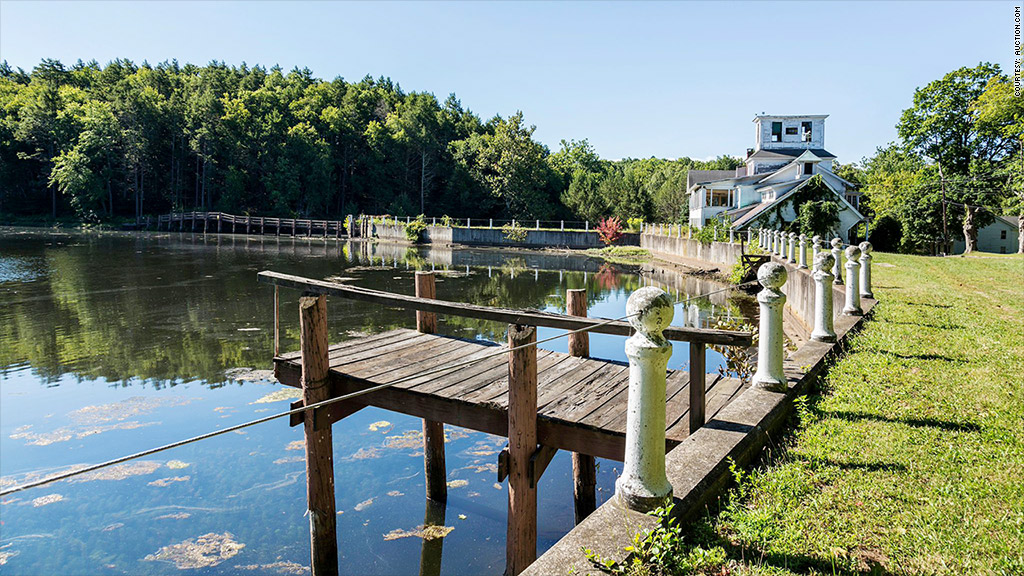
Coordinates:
112 343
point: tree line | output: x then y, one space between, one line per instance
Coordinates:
120 141
957 164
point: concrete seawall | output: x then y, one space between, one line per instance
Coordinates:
575 239
722 253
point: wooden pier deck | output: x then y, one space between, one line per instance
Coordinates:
581 402
542 401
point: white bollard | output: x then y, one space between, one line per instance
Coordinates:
490 222
732 236
865 269
433 221
537 226
837 254
792 248
467 223
586 226
801 252
562 225
815 247
782 245
750 235
772 276
644 485
823 324
852 307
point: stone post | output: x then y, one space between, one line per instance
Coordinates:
865 269
815 247
801 253
643 485
837 254
732 235
775 241
852 307
782 245
792 248
772 276
823 324
750 235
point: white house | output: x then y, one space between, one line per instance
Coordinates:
788 152
999 237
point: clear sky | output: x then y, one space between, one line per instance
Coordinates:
636 79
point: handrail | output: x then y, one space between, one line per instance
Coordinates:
505 315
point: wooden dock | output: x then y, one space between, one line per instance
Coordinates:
543 401
581 402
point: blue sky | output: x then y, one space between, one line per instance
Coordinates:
663 79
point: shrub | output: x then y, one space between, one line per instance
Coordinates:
514 232
634 224
446 221
414 230
609 230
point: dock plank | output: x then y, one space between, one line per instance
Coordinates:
581 401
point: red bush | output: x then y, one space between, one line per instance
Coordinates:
609 230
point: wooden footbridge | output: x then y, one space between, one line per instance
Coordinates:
542 401
221 222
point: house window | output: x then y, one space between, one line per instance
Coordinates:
718 198
808 168
806 126
790 130
776 131
1002 234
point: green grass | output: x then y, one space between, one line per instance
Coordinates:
910 459
621 254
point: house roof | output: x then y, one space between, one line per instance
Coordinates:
765 206
701 176
788 153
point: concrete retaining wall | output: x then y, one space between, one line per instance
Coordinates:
495 237
699 467
721 253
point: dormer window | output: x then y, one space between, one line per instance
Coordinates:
776 131
806 129
808 168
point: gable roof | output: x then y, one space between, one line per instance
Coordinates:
702 176
789 154
765 206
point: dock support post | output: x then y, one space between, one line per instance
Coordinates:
584 466
698 386
644 485
319 441
521 541
433 432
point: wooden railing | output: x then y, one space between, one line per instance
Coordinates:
504 315
524 460
253 224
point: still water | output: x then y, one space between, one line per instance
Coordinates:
114 343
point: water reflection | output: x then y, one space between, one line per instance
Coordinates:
112 343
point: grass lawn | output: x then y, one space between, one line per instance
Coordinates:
910 459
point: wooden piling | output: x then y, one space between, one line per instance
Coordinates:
433 432
698 403
521 542
319 442
584 467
